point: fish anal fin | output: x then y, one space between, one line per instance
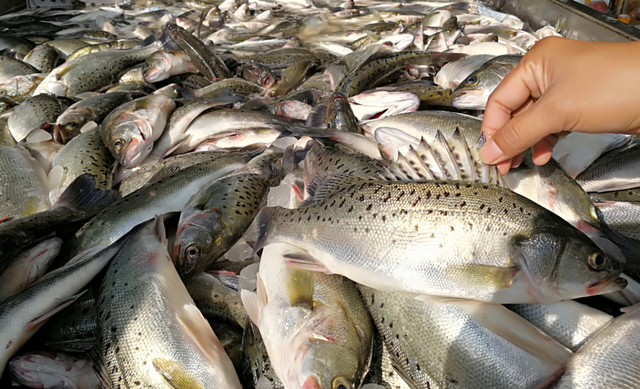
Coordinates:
305 262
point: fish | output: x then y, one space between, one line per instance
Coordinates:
164 64
93 71
570 323
28 267
217 216
225 122
474 91
237 85
43 58
173 135
370 73
615 170
66 47
130 130
95 109
35 113
257 73
23 314
24 183
105 46
46 369
340 116
79 201
594 367
204 60
439 345
85 153
629 195
380 104
291 77
577 151
315 326
169 192
425 124
345 214
178 347
11 67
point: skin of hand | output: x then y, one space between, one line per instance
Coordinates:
560 86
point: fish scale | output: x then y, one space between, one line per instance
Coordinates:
467 240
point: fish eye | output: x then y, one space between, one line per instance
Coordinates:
193 252
72 125
118 144
473 80
340 383
2 93
328 125
597 261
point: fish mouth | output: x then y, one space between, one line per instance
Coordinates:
338 97
57 135
610 284
470 99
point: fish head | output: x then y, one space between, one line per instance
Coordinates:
195 241
340 116
70 123
159 66
53 87
563 263
258 74
473 92
127 141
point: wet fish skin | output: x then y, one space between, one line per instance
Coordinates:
66 47
622 216
86 153
19 88
279 59
34 113
615 170
455 72
629 195
92 71
257 73
569 322
80 201
28 267
432 345
217 217
297 311
164 64
11 67
23 181
257 360
95 48
23 314
473 92
207 62
182 350
291 77
609 359
169 194
96 108
340 116
43 57
215 300
130 130
370 73
49 369
428 215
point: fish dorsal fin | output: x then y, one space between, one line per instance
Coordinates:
424 152
406 166
165 172
320 186
481 170
462 155
175 374
443 154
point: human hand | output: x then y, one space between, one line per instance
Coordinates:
560 86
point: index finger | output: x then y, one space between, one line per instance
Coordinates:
514 91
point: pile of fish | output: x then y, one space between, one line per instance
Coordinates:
289 194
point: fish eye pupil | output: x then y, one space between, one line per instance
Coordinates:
599 260
472 80
328 125
341 387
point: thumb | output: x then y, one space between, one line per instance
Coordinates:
521 132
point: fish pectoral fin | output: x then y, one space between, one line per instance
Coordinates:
47 315
83 255
478 275
61 73
175 374
254 301
31 206
304 261
177 145
515 329
299 287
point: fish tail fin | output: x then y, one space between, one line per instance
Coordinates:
82 195
185 93
266 220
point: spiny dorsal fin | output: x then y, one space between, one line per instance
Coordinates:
462 155
428 158
482 170
441 149
166 171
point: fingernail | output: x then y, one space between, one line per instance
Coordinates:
490 152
